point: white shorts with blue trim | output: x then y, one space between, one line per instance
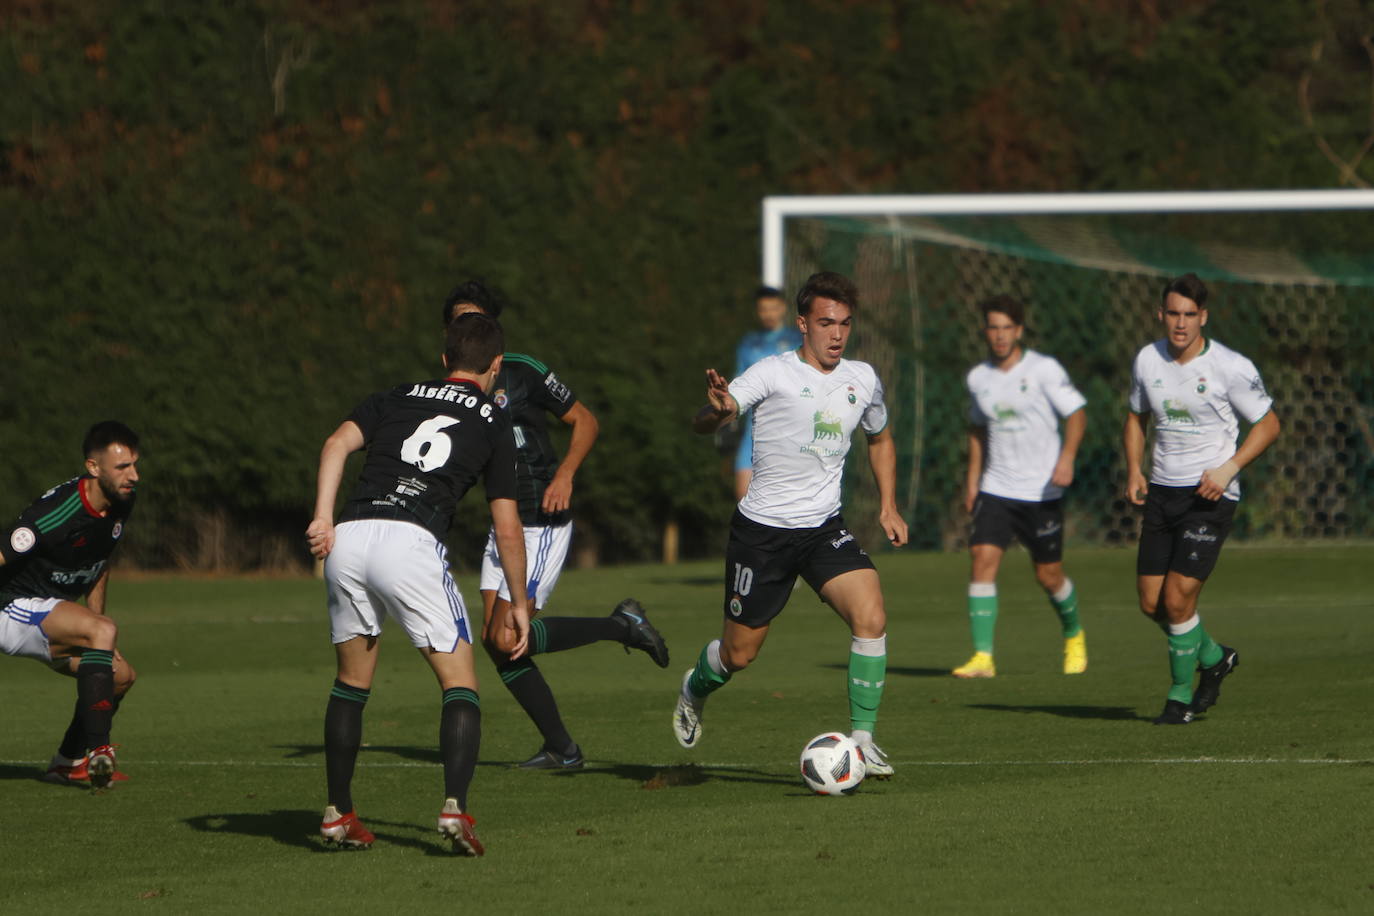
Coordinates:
546 547
386 567
21 632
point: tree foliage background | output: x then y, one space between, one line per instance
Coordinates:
227 222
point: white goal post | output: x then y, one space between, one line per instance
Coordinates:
776 210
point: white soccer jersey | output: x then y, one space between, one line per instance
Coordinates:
1194 407
1021 409
802 422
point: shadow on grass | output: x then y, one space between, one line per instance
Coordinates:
300 828
672 777
404 751
11 771
687 580
898 671
1110 713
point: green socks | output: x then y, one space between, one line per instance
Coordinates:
1065 602
867 673
982 614
1187 642
709 675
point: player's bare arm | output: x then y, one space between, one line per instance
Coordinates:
1261 436
512 634
720 408
977 448
1075 424
558 495
95 598
882 458
1133 446
344 441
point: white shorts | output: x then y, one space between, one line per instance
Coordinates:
21 632
546 547
383 566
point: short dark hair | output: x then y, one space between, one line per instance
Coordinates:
473 292
1012 308
472 341
105 434
1189 286
768 292
827 285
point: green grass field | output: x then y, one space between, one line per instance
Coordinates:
1033 792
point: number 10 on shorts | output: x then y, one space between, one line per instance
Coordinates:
744 579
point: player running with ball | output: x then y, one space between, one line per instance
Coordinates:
805 404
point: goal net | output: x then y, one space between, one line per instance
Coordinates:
1291 285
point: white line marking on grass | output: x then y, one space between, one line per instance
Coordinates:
715 765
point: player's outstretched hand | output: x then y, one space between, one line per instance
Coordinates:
894 526
320 536
1136 488
517 625
718 392
1216 480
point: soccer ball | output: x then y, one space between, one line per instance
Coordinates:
832 764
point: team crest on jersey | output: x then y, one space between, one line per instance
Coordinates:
852 398
735 607
117 530
500 398
22 540
1023 386
1202 385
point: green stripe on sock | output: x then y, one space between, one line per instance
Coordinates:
461 695
539 637
705 680
1183 662
1209 651
98 657
510 674
345 692
982 618
867 674
1068 613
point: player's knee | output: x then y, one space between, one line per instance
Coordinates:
1051 580
102 632
737 658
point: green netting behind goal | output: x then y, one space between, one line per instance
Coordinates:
1303 312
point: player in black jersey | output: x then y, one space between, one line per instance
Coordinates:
55 555
528 391
427 444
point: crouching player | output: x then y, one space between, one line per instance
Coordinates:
54 556
427 443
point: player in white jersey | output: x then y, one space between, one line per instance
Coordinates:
805 404
1191 390
1017 471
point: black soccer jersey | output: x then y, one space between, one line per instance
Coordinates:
529 390
427 443
60 545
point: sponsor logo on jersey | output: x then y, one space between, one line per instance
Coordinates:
22 540
1158 383
844 538
1177 414
78 576
735 607
806 392
500 398
827 426
117 530
1002 414
556 388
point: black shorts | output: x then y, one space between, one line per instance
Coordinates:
1039 526
1182 532
762 564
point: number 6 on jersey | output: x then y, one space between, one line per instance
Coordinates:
429 446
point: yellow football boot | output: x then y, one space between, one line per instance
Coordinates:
979 666
1075 654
